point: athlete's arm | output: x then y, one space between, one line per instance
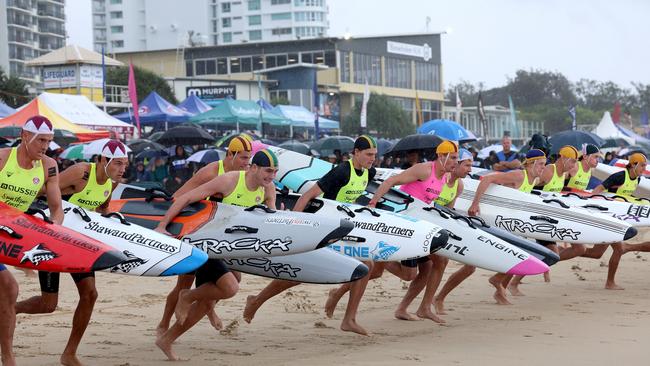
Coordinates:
70 178
420 171
201 177
223 184
511 178
312 193
52 191
546 176
269 196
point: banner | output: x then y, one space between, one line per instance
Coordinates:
133 95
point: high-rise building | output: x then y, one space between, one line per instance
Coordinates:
29 28
146 25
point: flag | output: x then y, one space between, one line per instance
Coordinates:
481 115
315 106
459 107
572 113
513 117
133 95
260 125
364 107
616 116
418 110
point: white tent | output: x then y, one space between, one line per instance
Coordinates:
81 111
607 129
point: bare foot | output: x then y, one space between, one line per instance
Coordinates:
8 360
182 306
501 299
250 309
613 286
404 315
547 277
352 326
439 305
514 290
70 360
215 320
330 304
428 314
160 331
167 349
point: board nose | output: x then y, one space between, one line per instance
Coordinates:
360 272
438 241
630 233
530 266
108 260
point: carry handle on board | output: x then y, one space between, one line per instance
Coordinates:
82 213
246 229
155 195
119 217
453 236
480 220
261 207
555 200
597 207
463 218
345 209
621 197
33 211
10 231
573 194
439 211
372 212
544 218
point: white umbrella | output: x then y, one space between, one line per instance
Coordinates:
54 145
207 156
86 150
485 152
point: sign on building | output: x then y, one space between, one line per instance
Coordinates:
408 49
212 92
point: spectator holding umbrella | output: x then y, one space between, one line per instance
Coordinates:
179 169
141 174
159 170
507 159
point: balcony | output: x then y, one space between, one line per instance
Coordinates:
24 5
100 9
57 15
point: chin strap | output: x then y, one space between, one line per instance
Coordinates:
106 171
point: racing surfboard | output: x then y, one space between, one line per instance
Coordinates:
30 242
465 244
322 266
149 253
228 231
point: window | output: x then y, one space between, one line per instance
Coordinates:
308 16
427 76
254 19
227 37
308 2
200 67
281 31
293 59
225 7
330 58
117 44
258 62
344 62
254 5
306 57
222 66
226 22
116 1
210 67
270 61
406 104
280 2
189 68
215 27
214 11
116 15
254 35
117 29
398 73
281 60
246 64
281 16
235 65
367 67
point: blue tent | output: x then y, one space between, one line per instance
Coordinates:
638 138
194 105
154 110
302 117
5 110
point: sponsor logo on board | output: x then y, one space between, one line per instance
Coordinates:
291 221
383 228
383 251
135 238
130 263
512 224
224 246
274 268
38 254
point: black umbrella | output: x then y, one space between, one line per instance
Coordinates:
64 137
296 146
268 142
148 153
415 142
327 145
155 136
186 135
139 145
383 146
575 139
10 132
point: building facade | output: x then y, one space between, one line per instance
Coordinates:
28 29
146 25
403 67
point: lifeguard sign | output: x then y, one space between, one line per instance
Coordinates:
73 70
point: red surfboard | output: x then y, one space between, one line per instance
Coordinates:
29 242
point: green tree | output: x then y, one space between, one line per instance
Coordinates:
145 81
12 90
385 118
280 101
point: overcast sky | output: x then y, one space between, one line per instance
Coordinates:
489 40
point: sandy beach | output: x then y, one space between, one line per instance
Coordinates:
570 321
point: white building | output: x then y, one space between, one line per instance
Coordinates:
145 25
28 29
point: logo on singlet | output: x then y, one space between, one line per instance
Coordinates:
9 174
36 180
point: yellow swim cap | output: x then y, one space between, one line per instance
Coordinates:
637 158
447 147
570 152
240 143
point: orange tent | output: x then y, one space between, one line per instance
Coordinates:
36 107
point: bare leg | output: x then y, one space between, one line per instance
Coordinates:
357 288
182 282
595 252
513 286
452 282
575 250
254 302
200 300
8 296
618 251
417 285
500 294
80 320
333 298
435 277
403 272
